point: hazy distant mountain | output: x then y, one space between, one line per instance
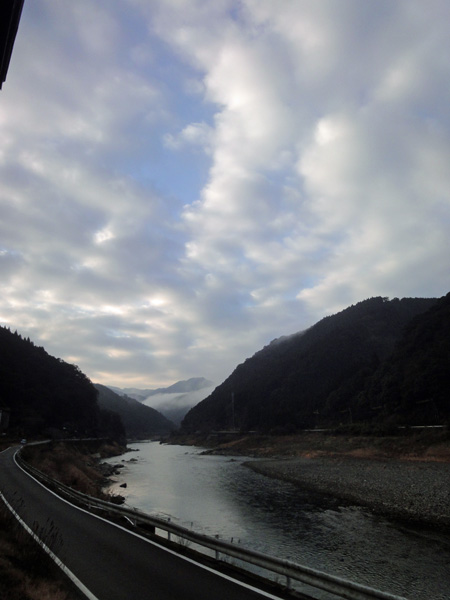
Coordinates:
135 393
176 406
180 387
140 421
319 377
173 401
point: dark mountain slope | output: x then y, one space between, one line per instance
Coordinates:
45 393
414 384
183 387
140 421
290 383
180 387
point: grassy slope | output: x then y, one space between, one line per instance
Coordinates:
73 465
26 572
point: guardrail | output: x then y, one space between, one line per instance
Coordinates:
292 571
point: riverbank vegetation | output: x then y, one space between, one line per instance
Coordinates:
26 571
423 445
76 464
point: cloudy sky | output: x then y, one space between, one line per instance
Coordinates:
181 181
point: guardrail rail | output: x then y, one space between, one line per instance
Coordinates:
286 568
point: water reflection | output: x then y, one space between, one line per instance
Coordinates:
217 495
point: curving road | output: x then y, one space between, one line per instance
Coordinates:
111 562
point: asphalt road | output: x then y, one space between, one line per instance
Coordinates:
111 562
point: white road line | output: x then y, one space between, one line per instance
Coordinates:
187 559
60 564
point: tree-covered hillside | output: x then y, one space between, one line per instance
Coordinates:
44 393
311 378
140 421
413 386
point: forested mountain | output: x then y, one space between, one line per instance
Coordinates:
185 386
45 394
414 384
173 401
324 376
140 421
175 406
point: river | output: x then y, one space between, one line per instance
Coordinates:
217 495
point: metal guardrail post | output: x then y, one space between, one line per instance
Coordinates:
290 570
217 551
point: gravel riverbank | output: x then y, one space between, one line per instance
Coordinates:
413 490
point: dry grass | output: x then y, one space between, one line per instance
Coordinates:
422 446
26 572
72 465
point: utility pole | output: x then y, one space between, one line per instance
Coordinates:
233 425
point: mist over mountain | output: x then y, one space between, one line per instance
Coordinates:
140 421
380 360
180 387
340 371
173 401
176 406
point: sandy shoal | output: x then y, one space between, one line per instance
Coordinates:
412 490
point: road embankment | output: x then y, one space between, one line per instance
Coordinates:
404 489
76 464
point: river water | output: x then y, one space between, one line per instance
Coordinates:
216 495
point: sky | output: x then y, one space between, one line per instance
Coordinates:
182 181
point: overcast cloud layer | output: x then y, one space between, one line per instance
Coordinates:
182 181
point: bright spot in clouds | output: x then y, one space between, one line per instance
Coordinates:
157 302
182 181
103 236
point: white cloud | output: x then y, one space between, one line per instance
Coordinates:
194 134
322 134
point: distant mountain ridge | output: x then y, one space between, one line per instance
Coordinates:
180 387
173 401
41 394
321 376
140 421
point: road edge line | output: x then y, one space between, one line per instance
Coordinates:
152 542
83 589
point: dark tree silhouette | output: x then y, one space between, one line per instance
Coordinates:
46 394
319 377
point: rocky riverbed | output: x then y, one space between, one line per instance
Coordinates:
405 489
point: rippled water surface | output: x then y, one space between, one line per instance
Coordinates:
218 495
